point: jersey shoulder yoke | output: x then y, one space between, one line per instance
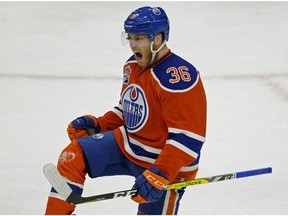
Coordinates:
175 74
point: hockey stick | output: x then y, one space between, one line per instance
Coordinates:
59 183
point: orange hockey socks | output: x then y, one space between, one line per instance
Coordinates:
57 206
71 165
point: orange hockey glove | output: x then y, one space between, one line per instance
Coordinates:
83 126
150 184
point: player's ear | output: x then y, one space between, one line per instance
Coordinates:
158 39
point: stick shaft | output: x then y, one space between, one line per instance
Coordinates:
63 189
217 178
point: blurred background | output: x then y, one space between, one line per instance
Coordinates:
60 60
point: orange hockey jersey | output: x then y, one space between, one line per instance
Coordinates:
161 116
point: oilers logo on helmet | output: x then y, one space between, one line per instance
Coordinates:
156 11
135 107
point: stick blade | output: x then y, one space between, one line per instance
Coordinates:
57 181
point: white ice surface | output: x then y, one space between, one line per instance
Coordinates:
59 60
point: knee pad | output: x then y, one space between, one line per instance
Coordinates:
71 163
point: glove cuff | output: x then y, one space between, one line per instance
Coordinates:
156 178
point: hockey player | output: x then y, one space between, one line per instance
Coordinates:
155 133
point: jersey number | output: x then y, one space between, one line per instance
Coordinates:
180 73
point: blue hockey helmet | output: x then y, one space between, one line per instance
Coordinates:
148 20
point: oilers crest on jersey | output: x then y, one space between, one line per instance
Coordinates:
135 107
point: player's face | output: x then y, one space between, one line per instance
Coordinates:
140 46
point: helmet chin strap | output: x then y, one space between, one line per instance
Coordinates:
154 52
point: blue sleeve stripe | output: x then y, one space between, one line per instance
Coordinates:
187 133
182 148
193 144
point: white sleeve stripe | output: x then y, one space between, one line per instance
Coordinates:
189 168
187 133
182 148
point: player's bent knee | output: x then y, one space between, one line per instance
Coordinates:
71 163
